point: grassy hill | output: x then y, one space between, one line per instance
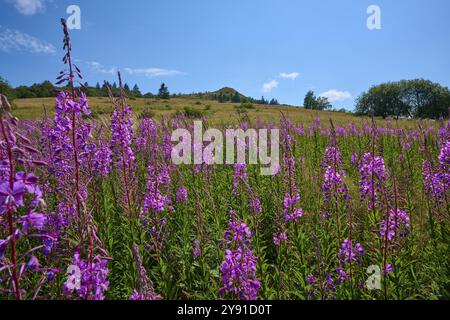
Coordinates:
225 91
216 113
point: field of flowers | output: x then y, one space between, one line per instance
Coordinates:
94 210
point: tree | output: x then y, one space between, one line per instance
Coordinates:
43 90
126 88
163 92
316 103
262 101
105 91
322 103
236 98
136 92
310 100
6 89
410 98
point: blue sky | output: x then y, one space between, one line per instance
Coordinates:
275 48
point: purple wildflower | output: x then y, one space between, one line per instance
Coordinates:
239 176
238 269
397 224
348 253
373 176
93 279
182 195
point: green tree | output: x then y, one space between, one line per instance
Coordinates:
417 98
273 102
6 89
163 92
310 100
126 88
236 98
104 90
136 92
322 103
316 103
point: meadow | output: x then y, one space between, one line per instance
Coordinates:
92 206
219 114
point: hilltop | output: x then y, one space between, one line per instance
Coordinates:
228 94
214 95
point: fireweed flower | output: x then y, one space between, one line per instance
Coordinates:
342 275
70 136
397 224
255 204
93 281
182 195
332 157
316 126
239 177
146 140
238 269
444 157
56 224
154 201
373 177
167 145
18 191
292 212
121 147
291 209
326 286
444 161
156 204
333 185
388 269
61 133
279 237
435 181
196 245
102 157
240 183
122 137
350 253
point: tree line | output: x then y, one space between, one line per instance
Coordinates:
417 98
46 89
237 98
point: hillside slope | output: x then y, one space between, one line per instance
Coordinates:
216 113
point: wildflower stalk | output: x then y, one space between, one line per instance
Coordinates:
12 237
125 161
70 79
83 215
335 191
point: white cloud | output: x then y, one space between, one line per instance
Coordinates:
292 75
28 7
148 72
98 67
15 40
336 95
269 86
152 72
